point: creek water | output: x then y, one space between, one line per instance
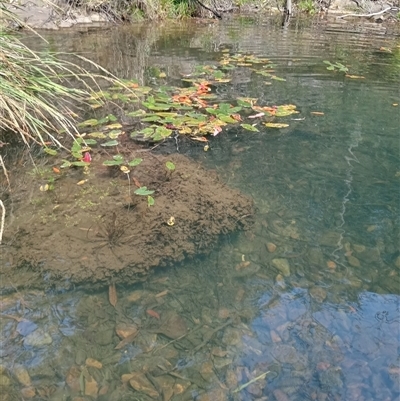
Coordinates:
303 307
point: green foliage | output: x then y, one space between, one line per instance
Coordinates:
33 97
336 66
143 191
307 6
170 166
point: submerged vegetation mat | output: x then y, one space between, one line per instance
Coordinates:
116 223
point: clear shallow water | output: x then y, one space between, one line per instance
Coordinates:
318 305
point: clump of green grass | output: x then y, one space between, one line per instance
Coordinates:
38 90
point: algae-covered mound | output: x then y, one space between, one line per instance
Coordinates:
90 226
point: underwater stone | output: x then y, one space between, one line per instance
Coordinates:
38 338
282 265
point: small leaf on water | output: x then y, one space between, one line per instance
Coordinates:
90 141
51 152
80 164
136 113
170 166
276 125
143 191
89 123
114 134
111 117
110 143
277 78
249 127
135 162
150 201
112 162
99 135
65 164
114 126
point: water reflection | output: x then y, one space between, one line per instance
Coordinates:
310 296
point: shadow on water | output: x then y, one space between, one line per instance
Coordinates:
305 306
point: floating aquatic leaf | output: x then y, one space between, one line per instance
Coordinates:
90 141
114 126
276 125
135 162
117 160
246 101
136 113
223 108
114 134
112 163
226 119
89 123
99 135
79 164
185 130
151 119
143 191
50 151
170 166
164 132
249 127
76 146
277 78
110 143
65 164
156 107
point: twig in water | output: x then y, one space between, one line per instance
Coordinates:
243 386
366 15
3 217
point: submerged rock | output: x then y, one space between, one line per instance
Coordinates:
38 338
282 265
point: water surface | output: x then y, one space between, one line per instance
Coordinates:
303 307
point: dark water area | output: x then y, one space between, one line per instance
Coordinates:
306 306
